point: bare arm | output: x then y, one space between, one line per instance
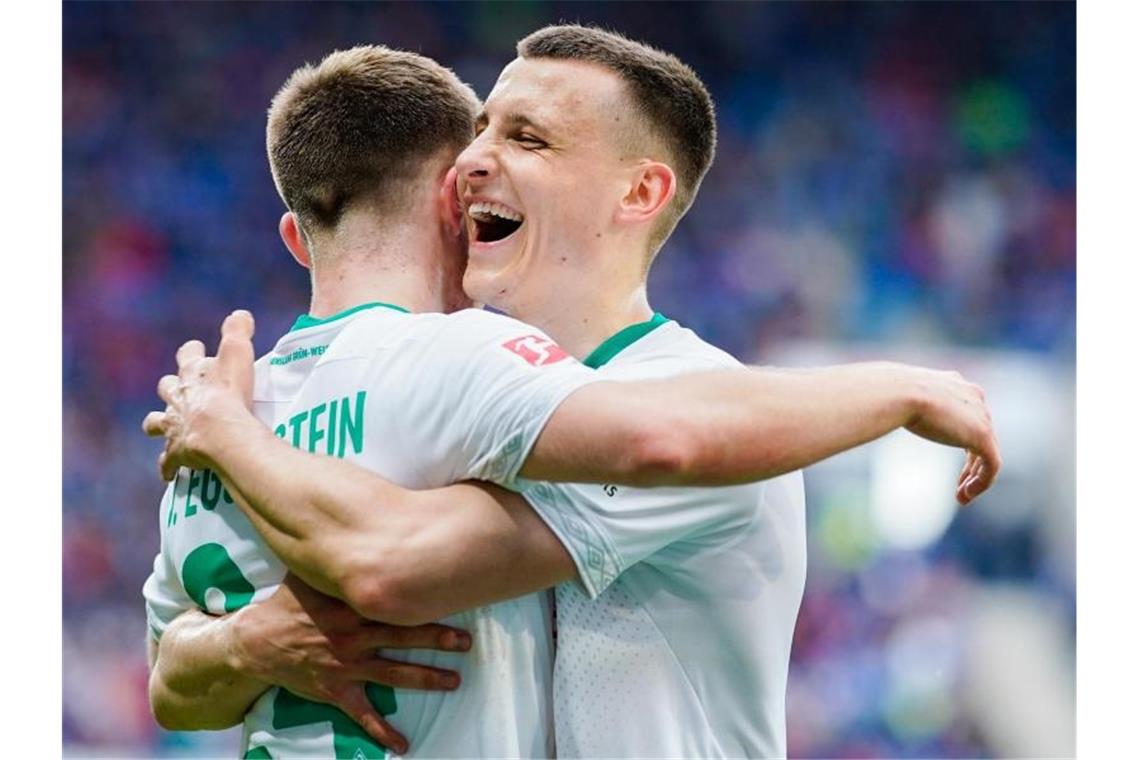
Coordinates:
208 671
405 557
401 556
733 426
196 678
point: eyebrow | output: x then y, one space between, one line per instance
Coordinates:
513 120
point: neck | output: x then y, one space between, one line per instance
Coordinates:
338 292
363 262
588 308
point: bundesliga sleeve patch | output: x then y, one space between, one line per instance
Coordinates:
536 350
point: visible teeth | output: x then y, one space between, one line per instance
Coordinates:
487 208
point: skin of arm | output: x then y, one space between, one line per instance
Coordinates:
392 554
407 557
739 426
196 678
207 671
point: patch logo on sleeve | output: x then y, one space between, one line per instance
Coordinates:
536 350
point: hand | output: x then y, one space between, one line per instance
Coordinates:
318 648
205 390
953 411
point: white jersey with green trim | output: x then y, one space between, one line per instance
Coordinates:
675 639
425 400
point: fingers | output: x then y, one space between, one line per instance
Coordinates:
430 636
355 704
981 471
405 675
167 387
964 477
154 424
989 463
188 352
235 350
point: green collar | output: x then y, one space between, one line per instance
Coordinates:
305 320
622 339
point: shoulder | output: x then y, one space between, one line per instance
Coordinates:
482 322
669 350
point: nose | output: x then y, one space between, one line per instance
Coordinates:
477 163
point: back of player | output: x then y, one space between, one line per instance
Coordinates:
423 400
676 641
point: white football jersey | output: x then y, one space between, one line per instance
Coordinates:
675 641
426 400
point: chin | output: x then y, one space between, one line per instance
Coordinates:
482 287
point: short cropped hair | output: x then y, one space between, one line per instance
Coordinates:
358 125
666 93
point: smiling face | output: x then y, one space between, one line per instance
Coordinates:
543 180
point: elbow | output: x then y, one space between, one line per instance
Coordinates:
176 713
382 594
171 720
163 715
163 711
662 452
167 713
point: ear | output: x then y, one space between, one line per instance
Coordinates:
653 185
450 211
294 238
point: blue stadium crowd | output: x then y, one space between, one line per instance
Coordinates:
887 174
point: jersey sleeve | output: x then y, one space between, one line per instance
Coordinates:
608 528
483 388
163 593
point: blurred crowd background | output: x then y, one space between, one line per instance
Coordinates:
892 180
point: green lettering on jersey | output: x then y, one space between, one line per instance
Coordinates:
349 739
210 566
195 479
211 489
330 449
257 753
315 433
352 424
295 425
279 431
172 515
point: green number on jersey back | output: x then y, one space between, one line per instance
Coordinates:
209 572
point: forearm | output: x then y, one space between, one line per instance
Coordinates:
197 681
720 428
394 555
311 510
767 422
460 547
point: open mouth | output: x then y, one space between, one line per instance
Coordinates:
493 221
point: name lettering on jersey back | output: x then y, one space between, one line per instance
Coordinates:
334 427
204 490
330 427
